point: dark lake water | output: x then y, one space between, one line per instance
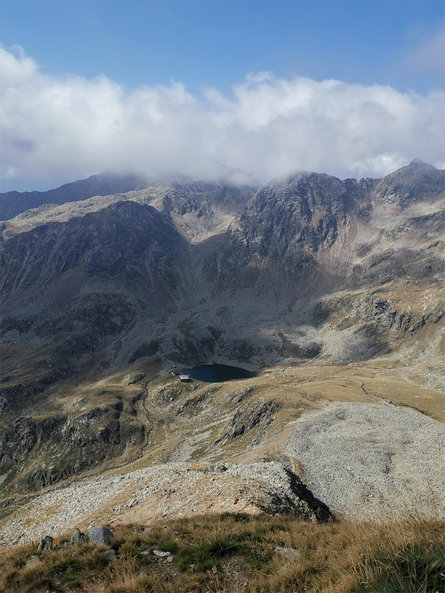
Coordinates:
215 373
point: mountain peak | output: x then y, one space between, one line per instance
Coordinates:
420 164
418 181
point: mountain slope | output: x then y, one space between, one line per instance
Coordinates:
13 203
101 296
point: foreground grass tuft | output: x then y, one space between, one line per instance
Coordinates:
412 568
234 553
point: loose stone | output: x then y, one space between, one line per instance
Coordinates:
100 535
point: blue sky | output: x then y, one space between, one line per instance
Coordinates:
150 75
217 42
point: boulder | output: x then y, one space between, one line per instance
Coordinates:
145 553
77 537
108 555
45 544
100 535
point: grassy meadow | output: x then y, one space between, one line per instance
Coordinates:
236 553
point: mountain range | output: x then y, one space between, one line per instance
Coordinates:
109 282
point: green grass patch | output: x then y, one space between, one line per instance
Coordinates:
167 544
414 568
202 557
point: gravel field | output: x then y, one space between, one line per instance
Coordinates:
372 460
363 460
169 490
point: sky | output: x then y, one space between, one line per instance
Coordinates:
247 90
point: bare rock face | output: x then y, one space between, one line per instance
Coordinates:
417 181
285 224
247 417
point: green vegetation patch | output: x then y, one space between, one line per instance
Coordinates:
414 568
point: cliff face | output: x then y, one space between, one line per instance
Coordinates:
285 224
178 273
126 242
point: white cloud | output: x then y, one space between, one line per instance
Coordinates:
53 128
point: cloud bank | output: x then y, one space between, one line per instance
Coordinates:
56 128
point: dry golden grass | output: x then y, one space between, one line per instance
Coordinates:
235 553
297 389
192 433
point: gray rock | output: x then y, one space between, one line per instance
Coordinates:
288 554
108 555
161 554
77 537
100 535
145 553
246 419
45 544
41 545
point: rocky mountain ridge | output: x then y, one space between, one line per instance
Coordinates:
13 203
191 245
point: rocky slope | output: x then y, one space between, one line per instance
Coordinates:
13 203
101 294
170 490
369 457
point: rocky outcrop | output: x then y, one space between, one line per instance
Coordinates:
45 544
377 314
58 447
284 225
246 418
100 535
167 491
398 263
